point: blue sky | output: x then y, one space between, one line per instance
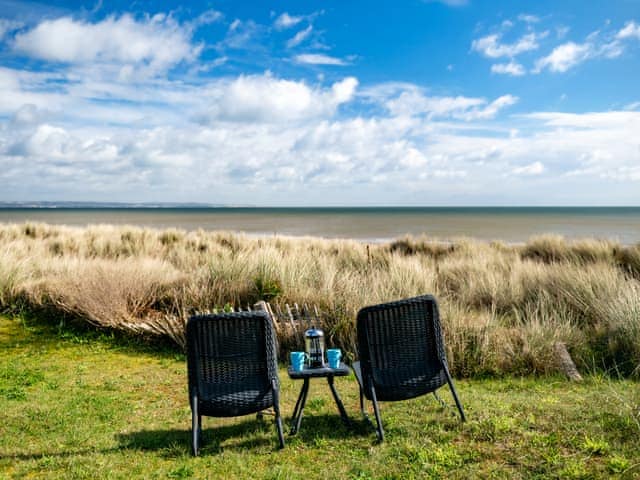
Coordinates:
321 103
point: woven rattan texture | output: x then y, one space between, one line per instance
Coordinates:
231 360
401 348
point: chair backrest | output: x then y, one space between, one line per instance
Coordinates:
401 348
231 352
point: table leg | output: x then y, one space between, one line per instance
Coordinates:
299 408
336 397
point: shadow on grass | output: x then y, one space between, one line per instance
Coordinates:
330 427
174 443
246 434
66 454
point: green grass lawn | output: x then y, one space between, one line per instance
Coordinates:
80 405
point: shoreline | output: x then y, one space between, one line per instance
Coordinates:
378 241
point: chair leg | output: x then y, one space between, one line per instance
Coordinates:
196 425
364 412
276 408
376 410
358 374
455 394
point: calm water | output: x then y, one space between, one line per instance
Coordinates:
512 224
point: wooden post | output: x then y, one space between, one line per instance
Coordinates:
565 362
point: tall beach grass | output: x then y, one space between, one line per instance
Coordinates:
503 306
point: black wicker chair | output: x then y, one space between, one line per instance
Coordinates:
401 353
232 365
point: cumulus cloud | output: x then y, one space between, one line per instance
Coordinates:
319 59
263 98
512 68
564 57
597 45
491 47
437 160
409 100
85 135
287 21
158 42
630 30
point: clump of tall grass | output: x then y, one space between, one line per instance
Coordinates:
421 246
136 296
628 259
554 248
11 279
504 306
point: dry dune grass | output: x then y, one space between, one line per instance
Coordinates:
503 306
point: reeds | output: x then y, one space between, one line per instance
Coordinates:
503 306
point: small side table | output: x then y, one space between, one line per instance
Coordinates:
307 374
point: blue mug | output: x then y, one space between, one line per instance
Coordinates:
334 355
297 360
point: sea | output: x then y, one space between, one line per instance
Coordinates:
367 224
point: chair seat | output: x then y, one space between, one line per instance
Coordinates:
401 384
234 401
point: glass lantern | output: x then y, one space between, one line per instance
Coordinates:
314 347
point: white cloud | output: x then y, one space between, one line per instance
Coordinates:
492 109
564 57
287 21
512 68
535 168
299 37
630 30
77 132
206 18
610 50
506 24
157 42
409 100
22 87
597 45
491 47
243 35
322 158
319 59
632 106
267 99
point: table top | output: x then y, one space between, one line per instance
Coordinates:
342 371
